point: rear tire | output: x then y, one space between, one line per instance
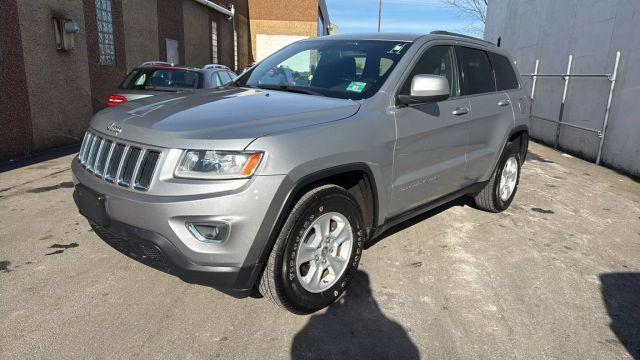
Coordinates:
316 253
503 185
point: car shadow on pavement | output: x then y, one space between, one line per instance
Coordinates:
621 296
462 201
353 328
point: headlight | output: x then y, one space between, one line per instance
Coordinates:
214 164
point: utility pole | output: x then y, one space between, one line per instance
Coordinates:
379 13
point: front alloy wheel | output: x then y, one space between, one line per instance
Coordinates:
324 253
317 251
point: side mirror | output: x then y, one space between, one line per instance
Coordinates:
426 88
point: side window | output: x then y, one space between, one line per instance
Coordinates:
223 77
438 60
141 80
476 69
215 80
505 76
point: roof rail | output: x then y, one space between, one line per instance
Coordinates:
442 32
156 63
216 66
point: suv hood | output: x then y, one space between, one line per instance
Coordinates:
232 117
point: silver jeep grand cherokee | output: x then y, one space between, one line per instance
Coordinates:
276 182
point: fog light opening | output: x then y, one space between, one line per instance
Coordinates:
209 232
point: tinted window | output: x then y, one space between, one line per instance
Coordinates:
505 76
477 74
149 78
438 60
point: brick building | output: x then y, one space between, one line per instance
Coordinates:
60 59
275 24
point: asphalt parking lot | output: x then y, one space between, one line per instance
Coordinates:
555 276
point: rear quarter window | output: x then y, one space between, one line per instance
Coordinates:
506 78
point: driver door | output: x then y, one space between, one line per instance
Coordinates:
429 156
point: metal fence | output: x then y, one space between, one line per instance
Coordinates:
611 77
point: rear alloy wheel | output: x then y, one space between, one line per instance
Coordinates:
317 251
501 188
508 178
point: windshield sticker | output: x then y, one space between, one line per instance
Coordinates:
397 49
356 86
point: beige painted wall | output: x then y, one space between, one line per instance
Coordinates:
197 36
279 27
58 82
141 29
268 44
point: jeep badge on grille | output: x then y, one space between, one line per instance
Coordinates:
114 128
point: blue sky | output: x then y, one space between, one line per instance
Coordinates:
420 16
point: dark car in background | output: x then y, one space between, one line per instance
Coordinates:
153 78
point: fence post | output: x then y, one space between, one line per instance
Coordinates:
535 79
564 98
613 77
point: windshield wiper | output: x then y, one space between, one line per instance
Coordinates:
293 89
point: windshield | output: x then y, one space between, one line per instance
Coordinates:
348 69
162 78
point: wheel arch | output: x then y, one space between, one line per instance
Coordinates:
357 178
520 133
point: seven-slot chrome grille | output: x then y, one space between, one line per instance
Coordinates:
124 164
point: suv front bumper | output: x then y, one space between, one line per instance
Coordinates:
154 250
151 228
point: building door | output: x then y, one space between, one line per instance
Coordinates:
173 53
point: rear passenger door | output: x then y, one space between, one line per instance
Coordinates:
492 114
429 156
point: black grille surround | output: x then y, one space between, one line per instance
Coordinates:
114 161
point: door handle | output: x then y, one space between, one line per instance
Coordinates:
504 102
460 111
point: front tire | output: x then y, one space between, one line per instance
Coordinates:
316 253
498 194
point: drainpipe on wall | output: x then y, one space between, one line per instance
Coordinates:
230 12
219 8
